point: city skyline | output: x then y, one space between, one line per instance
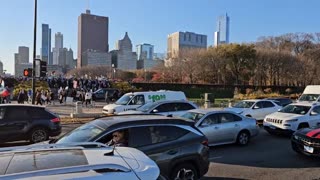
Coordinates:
250 20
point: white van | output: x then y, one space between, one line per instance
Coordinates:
311 93
131 101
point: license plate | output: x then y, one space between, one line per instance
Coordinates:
308 149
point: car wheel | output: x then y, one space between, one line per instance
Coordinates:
243 138
38 135
184 172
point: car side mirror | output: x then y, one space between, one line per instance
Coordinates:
155 111
313 113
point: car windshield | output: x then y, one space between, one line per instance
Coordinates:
146 107
243 104
295 109
124 100
194 116
82 134
309 97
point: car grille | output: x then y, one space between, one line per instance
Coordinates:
307 141
276 121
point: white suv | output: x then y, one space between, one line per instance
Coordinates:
75 161
293 117
255 108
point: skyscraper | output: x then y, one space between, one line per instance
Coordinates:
23 56
92 35
223 27
145 51
123 55
179 40
46 44
58 45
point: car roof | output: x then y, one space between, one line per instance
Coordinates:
257 100
211 110
305 103
124 120
170 101
21 105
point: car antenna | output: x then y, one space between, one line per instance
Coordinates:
111 153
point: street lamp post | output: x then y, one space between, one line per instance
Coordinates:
34 52
113 72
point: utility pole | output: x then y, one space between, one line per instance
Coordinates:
34 53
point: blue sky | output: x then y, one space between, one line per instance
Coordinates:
150 21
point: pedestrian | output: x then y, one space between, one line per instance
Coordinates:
106 97
21 97
88 97
38 97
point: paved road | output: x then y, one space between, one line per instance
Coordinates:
266 157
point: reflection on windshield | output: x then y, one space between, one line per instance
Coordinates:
82 134
243 104
124 100
193 116
294 109
146 107
308 97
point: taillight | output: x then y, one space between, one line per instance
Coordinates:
55 120
205 143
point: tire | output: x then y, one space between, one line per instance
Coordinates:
243 138
303 125
38 135
185 171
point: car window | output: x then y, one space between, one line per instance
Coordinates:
39 113
39 160
316 110
184 106
139 136
4 162
167 107
16 113
267 104
226 117
211 119
160 134
137 100
258 105
2 111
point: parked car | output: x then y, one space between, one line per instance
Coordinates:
306 141
27 122
255 108
131 101
223 127
173 108
100 94
281 101
174 144
76 161
310 94
293 117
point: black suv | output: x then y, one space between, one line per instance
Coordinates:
179 149
27 122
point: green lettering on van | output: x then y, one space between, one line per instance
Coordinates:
157 97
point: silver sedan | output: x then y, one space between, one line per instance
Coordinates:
223 127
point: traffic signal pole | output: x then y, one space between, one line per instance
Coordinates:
34 53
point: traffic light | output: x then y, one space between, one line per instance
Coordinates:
43 68
27 72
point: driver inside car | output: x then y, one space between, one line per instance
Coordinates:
119 139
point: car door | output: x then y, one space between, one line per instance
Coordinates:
16 119
314 119
209 126
268 108
159 142
257 111
230 127
135 102
164 109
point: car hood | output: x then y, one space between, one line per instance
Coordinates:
236 110
131 112
144 167
111 106
283 116
309 132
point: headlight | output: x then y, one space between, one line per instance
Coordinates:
291 120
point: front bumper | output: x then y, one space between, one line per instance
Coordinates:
307 149
276 130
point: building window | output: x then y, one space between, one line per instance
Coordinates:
196 38
185 37
201 39
189 37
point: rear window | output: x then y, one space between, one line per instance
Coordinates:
40 113
40 160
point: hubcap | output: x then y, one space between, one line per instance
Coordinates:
185 174
243 139
38 136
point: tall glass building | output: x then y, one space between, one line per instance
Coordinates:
46 44
223 28
145 51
